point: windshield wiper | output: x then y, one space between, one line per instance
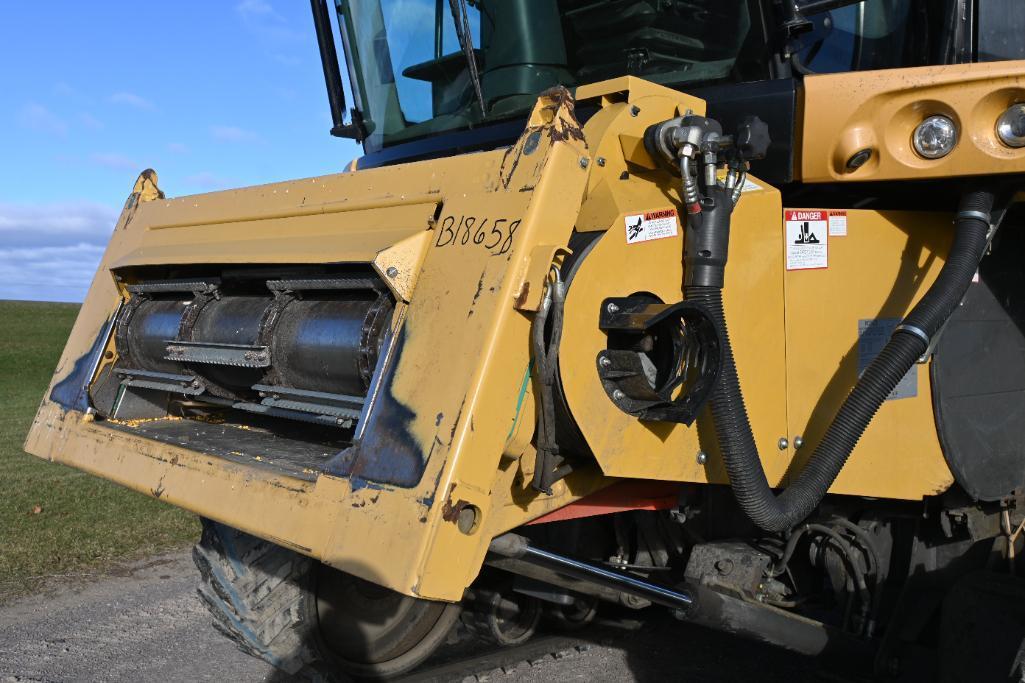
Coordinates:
466 42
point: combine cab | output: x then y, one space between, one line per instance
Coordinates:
709 306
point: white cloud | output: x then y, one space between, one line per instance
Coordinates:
58 224
116 161
256 8
48 273
63 89
205 180
39 118
89 121
49 252
232 134
263 21
132 100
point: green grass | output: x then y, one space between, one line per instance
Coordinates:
54 520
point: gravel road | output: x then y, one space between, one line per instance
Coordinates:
145 623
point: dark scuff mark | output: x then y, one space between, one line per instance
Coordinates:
476 295
388 453
428 500
71 392
438 418
159 490
455 423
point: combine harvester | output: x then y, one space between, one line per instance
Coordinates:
549 344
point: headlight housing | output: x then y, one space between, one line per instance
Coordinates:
934 137
1011 126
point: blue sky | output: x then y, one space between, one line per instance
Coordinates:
210 94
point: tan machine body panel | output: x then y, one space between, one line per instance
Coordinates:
466 299
878 110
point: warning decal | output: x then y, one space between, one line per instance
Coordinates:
807 239
837 223
653 225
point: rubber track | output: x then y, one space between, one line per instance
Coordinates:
258 595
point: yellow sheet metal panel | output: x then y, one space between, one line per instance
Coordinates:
876 272
878 110
626 447
456 389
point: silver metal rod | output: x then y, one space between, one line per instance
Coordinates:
511 545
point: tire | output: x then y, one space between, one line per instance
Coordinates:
310 621
261 597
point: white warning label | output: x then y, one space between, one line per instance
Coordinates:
807 239
837 223
750 186
653 225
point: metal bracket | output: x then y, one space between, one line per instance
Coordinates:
663 360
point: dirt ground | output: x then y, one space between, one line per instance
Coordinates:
145 623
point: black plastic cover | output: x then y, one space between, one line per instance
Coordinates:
978 377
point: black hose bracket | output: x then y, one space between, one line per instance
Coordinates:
662 360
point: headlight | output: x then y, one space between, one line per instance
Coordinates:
1011 126
935 137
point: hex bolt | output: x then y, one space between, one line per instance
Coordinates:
635 110
612 308
618 395
784 443
702 458
584 161
605 361
798 441
600 161
392 271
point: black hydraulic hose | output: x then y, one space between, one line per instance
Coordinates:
910 340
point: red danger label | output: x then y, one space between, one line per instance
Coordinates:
804 215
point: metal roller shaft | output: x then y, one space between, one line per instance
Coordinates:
316 343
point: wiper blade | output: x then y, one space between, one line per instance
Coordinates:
466 42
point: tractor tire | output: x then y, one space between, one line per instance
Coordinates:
308 620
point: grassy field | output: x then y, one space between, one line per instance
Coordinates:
54 520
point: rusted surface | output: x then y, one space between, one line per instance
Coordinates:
565 127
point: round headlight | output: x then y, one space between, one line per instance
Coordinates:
935 137
1011 126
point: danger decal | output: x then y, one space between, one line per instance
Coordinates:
807 239
652 225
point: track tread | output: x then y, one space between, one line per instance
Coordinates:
259 595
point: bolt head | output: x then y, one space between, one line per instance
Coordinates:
605 361
618 395
635 110
798 441
784 443
584 161
600 161
612 308
702 458
392 271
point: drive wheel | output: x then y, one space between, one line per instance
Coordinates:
312 622
573 617
506 618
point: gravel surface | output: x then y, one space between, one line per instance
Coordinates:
145 623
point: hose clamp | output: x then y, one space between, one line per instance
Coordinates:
977 215
911 329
